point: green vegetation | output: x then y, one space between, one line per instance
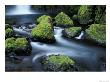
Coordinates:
8 33
59 63
97 32
100 12
43 32
44 18
63 20
71 32
7 26
84 14
10 43
68 9
21 42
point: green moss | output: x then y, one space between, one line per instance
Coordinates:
8 33
43 32
10 43
84 14
7 26
97 32
100 13
62 59
75 17
21 42
63 19
59 63
44 18
19 46
71 32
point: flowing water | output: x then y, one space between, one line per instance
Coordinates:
84 54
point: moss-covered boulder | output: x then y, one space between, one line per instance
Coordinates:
63 20
71 32
100 14
9 33
44 18
43 32
84 14
22 46
97 32
7 26
10 45
59 63
19 46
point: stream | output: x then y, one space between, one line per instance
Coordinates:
88 56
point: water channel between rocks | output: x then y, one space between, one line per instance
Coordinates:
86 55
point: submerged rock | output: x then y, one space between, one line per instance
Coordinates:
59 63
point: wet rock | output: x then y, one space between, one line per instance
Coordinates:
19 46
97 33
71 32
59 63
44 31
63 20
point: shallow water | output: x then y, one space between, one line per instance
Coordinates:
85 55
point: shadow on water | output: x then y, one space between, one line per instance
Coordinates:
88 56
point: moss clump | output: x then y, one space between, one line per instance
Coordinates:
63 20
59 63
43 32
71 32
100 14
17 46
21 42
97 32
44 18
84 14
7 26
8 33
10 44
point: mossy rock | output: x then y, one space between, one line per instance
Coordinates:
71 32
59 63
9 33
97 32
63 20
8 26
44 18
100 14
10 44
75 17
19 46
43 32
84 14
21 42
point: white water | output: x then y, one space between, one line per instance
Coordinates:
80 36
21 10
86 55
